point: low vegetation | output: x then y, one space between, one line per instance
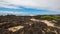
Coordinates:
49 17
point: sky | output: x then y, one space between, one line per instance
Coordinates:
29 7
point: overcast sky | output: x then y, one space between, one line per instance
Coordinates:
29 7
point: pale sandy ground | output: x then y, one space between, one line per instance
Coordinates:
13 29
49 23
16 28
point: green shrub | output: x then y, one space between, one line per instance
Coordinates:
48 17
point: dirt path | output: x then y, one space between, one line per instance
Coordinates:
46 22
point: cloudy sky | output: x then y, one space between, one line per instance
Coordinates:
29 7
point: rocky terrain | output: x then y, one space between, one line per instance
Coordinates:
12 24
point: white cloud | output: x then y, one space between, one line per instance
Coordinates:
7 5
13 13
53 5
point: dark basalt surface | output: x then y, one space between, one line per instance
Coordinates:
34 28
